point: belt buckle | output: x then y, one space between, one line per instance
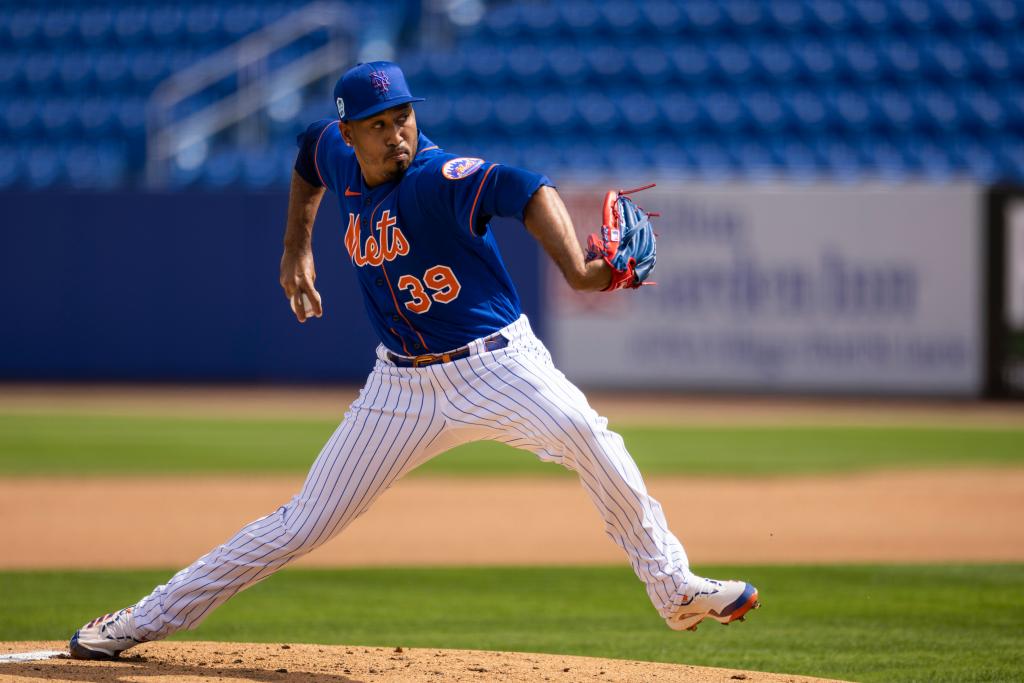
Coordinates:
430 359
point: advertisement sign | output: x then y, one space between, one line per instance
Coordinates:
858 289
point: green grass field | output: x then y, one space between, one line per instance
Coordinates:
860 623
103 445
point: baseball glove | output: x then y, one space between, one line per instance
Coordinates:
626 241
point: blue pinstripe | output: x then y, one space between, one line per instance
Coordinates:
402 418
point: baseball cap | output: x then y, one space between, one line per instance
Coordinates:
370 88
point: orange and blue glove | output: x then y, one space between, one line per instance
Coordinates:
626 242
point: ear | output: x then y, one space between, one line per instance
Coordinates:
346 132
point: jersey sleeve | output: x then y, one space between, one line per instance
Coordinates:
470 199
320 150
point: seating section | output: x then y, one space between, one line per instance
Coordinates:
842 89
709 89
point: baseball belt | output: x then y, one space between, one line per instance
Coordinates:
493 343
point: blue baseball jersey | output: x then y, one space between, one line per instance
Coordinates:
428 266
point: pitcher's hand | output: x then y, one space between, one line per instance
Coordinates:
297 277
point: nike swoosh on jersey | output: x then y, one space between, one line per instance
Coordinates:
350 193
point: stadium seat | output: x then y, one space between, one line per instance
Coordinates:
10 168
95 26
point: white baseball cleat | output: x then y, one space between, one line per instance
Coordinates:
723 601
105 637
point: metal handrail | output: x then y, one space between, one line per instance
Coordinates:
164 138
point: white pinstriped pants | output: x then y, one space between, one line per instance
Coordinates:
402 418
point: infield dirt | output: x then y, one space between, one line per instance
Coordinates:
190 662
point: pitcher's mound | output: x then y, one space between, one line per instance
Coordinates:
179 662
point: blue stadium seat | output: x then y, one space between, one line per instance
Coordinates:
261 168
130 114
20 119
703 16
947 60
75 71
434 115
95 26
625 18
981 110
857 60
1010 157
816 59
745 16
597 111
765 110
111 71
627 159
43 167
754 159
993 14
40 72
680 110
711 160
166 25
58 25
872 16
566 64
732 61
471 110
10 71
774 59
901 58
501 22
851 109
939 110
10 167
829 16
691 62
806 108
723 111
841 160
525 62
977 159
486 66
650 64
608 63
203 23
556 111
884 160
57 118
895 108
130 24
956 15
514 111
540 20
25 26
788 15
663 16
96 116
915 15
223 169
148 67
794 156
991 57
581 18
928 160
639 111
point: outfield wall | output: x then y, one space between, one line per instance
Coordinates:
183 287
812 288
866 289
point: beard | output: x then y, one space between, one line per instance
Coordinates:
397 169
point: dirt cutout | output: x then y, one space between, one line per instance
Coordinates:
191 662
